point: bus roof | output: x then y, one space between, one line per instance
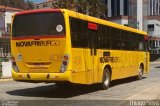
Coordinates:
103 22
37 11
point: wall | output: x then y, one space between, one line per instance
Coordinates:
140 14
6 69
156 31
8 19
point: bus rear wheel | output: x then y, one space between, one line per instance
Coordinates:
106 79
140 72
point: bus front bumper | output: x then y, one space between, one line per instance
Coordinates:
42 77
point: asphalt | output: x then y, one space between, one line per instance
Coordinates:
151 93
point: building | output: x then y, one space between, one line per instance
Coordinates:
5 29
128 12
46 4
154 7
117 11
154 28
141 14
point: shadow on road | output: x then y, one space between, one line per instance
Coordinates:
124 81
157 67
52 91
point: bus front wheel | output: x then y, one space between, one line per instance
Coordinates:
106 79
140 72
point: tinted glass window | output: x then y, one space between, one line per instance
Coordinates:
39 24
104 37
115 37
79 37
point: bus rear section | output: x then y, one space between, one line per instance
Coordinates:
38 46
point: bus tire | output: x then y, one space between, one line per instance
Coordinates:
140 72
106 79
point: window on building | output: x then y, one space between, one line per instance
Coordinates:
151 27
37 7
156 43
126 4
45 5
118 7
115 5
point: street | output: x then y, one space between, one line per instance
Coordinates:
119 91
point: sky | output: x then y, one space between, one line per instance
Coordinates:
37 1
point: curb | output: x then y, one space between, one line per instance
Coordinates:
3 79
156 62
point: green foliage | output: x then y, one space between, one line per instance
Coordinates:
96 8
22 4
90 7
66 4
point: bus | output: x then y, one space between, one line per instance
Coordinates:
61 46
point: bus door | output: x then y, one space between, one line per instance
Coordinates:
92 58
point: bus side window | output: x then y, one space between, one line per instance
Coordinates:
115 38
79 37
141 43
104 37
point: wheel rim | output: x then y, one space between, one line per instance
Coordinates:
107 78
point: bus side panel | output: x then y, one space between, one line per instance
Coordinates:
129 63
78 66
124 63
146 68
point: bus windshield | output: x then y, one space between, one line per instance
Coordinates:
39 24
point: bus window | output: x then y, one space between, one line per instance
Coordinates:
39 24
78 33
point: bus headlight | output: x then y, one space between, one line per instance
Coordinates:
14 65
64 64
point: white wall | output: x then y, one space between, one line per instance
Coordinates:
6 69
156 31
140 14
8 18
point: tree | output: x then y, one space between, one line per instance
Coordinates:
90 7
82 6
66 4
22 4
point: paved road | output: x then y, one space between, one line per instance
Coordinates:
126 89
